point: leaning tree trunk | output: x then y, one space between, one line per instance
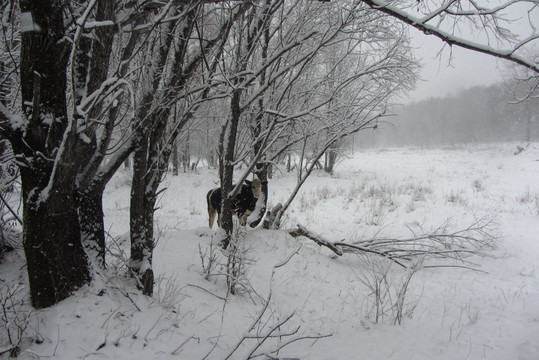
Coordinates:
96 55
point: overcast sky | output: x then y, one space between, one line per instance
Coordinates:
446 74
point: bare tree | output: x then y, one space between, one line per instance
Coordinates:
287 96
346 89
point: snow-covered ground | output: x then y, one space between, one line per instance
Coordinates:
451 313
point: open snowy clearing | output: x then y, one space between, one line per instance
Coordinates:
323 301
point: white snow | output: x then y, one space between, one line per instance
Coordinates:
16 121
454 313
27 23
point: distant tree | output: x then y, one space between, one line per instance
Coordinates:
474 115
486 27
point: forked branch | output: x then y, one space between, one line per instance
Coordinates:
441 245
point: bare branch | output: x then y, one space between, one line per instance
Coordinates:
423 25
442 244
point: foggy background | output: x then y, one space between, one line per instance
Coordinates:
475 115
462 97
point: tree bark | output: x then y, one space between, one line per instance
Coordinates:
231 131
93 58
91 217
141 222
330 158
56 262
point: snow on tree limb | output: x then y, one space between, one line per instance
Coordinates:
321 241
422 24
10 121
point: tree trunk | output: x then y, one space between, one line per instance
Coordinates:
150 159
175 159
261 125
186 154
141 223
231 131
261 168
288 163
150 163
92 65
92 225
528 124
56 261
330 159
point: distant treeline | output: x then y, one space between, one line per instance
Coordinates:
478 114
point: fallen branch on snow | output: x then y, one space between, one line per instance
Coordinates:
302 231
441 244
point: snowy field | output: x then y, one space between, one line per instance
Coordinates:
324 302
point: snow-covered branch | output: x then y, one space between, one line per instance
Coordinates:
446 12
441 247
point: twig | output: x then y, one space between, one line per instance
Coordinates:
299 338
129 297
10 209
182 344
454 266
57 342
153 327
261 340
372 251
209 292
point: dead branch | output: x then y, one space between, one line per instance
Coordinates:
302 231
298 338
356 248
442 244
